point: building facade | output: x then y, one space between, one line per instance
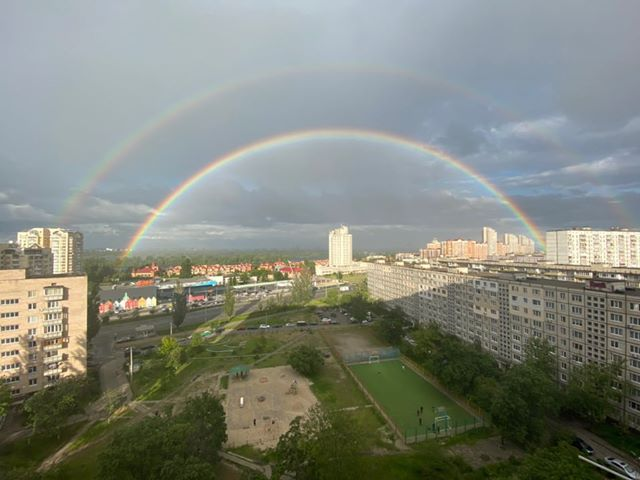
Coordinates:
584 246
340 247
43 329
66 247
594 321
490 237
37 261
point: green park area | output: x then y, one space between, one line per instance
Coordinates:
407 397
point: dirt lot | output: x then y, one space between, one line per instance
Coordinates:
486 451
356 339
268 408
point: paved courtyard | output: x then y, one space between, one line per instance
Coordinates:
269 405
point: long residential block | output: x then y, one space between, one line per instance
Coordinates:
595 321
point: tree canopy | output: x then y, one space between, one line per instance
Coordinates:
182 447
322 445
302 287
185 268
229 300
306 360
179 304
173 353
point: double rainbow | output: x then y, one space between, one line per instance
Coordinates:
330 134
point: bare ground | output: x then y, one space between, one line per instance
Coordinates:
486 451
268 407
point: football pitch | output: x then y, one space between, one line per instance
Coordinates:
401 392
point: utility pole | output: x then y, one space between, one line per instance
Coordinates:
130 363
171 328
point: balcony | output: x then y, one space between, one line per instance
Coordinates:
50 348
54 296
54 359
53 335
51 309
59 321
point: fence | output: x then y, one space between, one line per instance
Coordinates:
383 353
425 432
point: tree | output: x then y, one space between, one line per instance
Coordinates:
182 447
527 397
229 300
172 352
556 463
5 399
185 268
306 360
302 287
179 304
589 393
48 409
207 426
391 326
321 445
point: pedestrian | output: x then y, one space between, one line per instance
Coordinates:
254 422
421 409
420 420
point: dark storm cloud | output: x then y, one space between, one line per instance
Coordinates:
544 102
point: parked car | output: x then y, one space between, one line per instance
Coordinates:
289 324
265 325
622 467
581 445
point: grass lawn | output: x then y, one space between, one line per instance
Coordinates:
31 451
281 318
335 389
401 392
84 464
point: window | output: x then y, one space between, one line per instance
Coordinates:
32 319
9 301
32 344
576 310
9 366
5 341
32 293
8 314
635 334
615 344
615 304
615 317
616 330
32 369
8 328
33 306
33 381
576 298
9 353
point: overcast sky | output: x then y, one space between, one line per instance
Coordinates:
544 102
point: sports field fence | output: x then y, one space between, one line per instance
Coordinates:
384 353
428 432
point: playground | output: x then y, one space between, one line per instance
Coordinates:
261 403
413 404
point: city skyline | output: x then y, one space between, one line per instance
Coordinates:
533 132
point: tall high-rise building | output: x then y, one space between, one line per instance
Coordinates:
584 246
340 247
490 237
66 247
44 329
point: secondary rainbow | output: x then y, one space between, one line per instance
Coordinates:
331 134
116 155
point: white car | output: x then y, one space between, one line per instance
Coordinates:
622 467
265 325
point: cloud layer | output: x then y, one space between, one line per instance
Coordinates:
544 103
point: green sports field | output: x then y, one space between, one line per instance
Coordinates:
401 392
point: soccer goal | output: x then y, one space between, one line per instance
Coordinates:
374 358
441 419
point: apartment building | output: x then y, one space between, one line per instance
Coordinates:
37 261
585 246
592 321
43 329
340 247
66 247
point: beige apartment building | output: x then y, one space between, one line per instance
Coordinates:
37 261
66 247
594 321
586 246
43 329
